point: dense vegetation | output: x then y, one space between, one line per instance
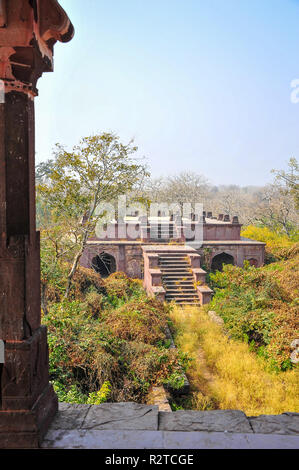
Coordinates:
107 338
260 306
235 366
107 341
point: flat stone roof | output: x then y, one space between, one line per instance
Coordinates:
243 241
168 249
115 242
176 246
166 220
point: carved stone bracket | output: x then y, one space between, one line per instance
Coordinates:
28 32
3 17
54 23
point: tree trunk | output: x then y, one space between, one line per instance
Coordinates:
44 302
72 272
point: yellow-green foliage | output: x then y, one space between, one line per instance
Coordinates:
97 398
236 378
276 243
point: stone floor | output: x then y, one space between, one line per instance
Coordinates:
134 426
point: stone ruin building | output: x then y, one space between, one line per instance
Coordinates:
165 252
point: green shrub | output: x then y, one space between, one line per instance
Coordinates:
259 306
95 345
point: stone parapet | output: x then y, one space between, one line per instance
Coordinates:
130 425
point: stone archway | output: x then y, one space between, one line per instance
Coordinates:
104 264
219 260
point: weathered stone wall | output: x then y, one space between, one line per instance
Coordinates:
221 231
239 251
128 256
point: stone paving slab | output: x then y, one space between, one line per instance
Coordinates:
96 439
122 416
91 439
286 423
226 440
217 421
70 416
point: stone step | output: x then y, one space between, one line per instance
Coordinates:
179 268
177 273
189 303
174 272
184 284
180 289
182 296
178 286
178 264
174 261
176 277
172 255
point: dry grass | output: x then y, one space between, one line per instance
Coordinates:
226 375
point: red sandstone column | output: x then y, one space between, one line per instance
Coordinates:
28 32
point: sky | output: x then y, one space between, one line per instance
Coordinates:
200 85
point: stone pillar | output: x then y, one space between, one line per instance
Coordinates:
28 32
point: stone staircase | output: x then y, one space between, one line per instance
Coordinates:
162 232
177 278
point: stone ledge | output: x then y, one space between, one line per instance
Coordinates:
286 423
198 270
113 416
122 416
70 416
83 439
156 290
208 421
205 289
133 416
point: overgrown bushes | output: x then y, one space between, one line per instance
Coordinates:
261 306
108 341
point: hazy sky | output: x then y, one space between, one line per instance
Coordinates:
201 85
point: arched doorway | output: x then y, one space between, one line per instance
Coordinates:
219 260
104 264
